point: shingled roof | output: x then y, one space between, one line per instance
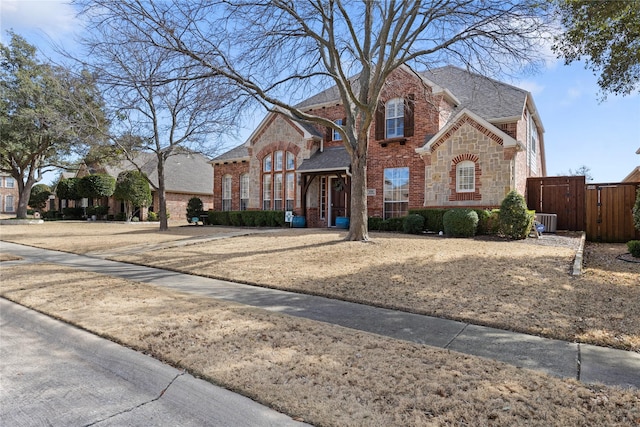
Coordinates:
184 172
332 158
488 98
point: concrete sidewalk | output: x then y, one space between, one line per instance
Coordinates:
58 375
584 362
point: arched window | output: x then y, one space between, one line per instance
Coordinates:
466 177
226 193
394 118
278 181
244 191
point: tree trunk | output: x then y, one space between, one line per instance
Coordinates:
24 193
358 224
162 196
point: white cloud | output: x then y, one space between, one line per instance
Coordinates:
53 18
531 86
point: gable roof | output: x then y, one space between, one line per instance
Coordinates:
467 116
184 171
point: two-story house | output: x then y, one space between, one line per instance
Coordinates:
9 194
441 138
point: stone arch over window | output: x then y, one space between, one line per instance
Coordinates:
464 178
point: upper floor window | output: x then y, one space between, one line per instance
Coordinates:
396 192
244 192
266 163
336 134
394 118
465 177
226 193
9 182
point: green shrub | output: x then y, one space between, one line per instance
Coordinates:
515 219
395 224
483 221
235 218
121 216
152 216
248 218
460 222
413 224
194 208
634 248
432 218
72 213
374 223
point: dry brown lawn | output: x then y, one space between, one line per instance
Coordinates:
515 285
323 374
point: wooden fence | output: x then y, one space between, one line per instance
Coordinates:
604 211
609 212
560 195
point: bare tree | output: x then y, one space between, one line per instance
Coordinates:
157 105
272 49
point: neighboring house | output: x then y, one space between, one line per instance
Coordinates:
187 175
8 194
634 176
442 138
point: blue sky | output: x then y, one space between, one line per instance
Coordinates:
579 130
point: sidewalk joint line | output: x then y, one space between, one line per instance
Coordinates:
456 336
579 363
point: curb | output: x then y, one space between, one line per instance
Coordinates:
577 262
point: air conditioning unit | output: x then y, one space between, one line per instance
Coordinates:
550 221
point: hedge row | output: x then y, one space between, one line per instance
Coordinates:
247 218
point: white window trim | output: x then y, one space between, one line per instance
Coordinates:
465 165
397 105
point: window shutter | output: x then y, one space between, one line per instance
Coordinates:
380 121
328 134
409 104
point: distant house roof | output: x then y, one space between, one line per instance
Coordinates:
238 153
332 158
184 172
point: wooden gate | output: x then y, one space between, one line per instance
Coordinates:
560 195
609 212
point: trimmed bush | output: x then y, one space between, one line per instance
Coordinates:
432 218
413 224
396 224
634 248
236 219
374 223
247 218
194 208
515 219
460 222
72 213
152 216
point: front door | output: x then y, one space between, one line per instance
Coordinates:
338 201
